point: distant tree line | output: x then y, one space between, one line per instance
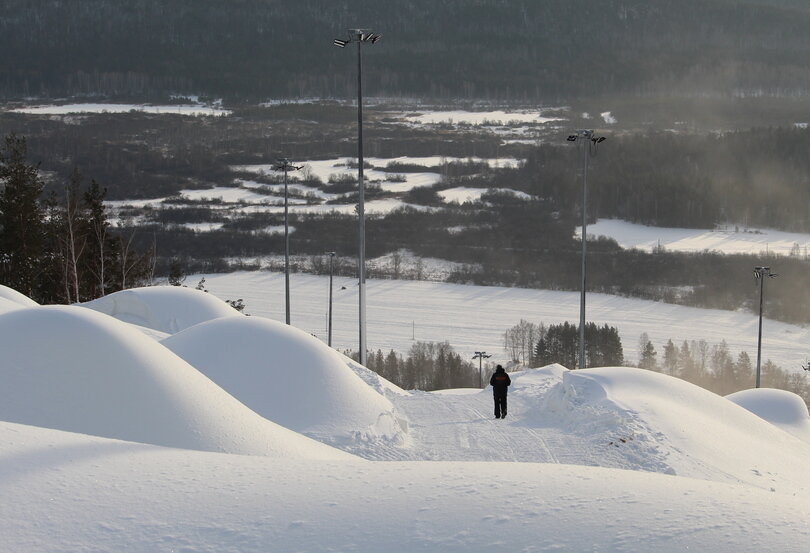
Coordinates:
534 345
451 49
60 249
427 366
715 368
758 177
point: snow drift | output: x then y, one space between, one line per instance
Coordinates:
157 499
11 300
168 309
74 369
663 424
779 407
289 377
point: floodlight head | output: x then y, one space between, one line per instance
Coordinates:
340 43
572 138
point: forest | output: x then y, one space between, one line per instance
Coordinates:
504 50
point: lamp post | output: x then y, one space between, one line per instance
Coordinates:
589 144
480 355
331 272
360 36
760 273
284 165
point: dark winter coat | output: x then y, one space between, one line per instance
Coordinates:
500 381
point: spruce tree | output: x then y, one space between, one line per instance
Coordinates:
22 232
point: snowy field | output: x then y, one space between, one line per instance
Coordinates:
176 109
731 240
257 437
462 194
474 318
499 117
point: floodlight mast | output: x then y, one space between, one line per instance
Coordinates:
589 141
360 36
285 166
760 273
480 355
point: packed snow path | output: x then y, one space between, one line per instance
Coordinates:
460 425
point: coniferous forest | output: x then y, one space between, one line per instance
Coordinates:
519 50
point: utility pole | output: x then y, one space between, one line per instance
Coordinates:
284 165
480 355
760 273
331 272
589 145
360 36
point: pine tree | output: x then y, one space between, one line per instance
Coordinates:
670 358
22 219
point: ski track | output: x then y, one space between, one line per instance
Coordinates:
463 428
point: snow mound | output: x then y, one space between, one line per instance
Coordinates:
73 369
8 305
663 424
781 408
167 309
371 378
68 492
289 377
14 296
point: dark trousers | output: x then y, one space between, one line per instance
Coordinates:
500 406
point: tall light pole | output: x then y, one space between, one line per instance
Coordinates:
284 165
480 355
589 144
331 272
360 36
760 273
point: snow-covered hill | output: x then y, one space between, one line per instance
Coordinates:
610 459
474 318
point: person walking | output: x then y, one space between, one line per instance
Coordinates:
500 381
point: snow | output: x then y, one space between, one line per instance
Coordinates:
70 368
674 427
731 240
608 118
114 441
164 308
461 194
233 195
480 117
289 377
13 296
156 499
178 109
779 407
372 207
474 318
202 227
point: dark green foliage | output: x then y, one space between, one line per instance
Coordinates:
560 344
22 219
60 252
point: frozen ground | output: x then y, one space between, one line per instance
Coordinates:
461 194
730 239
609 459
474 318
66 109
480 117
